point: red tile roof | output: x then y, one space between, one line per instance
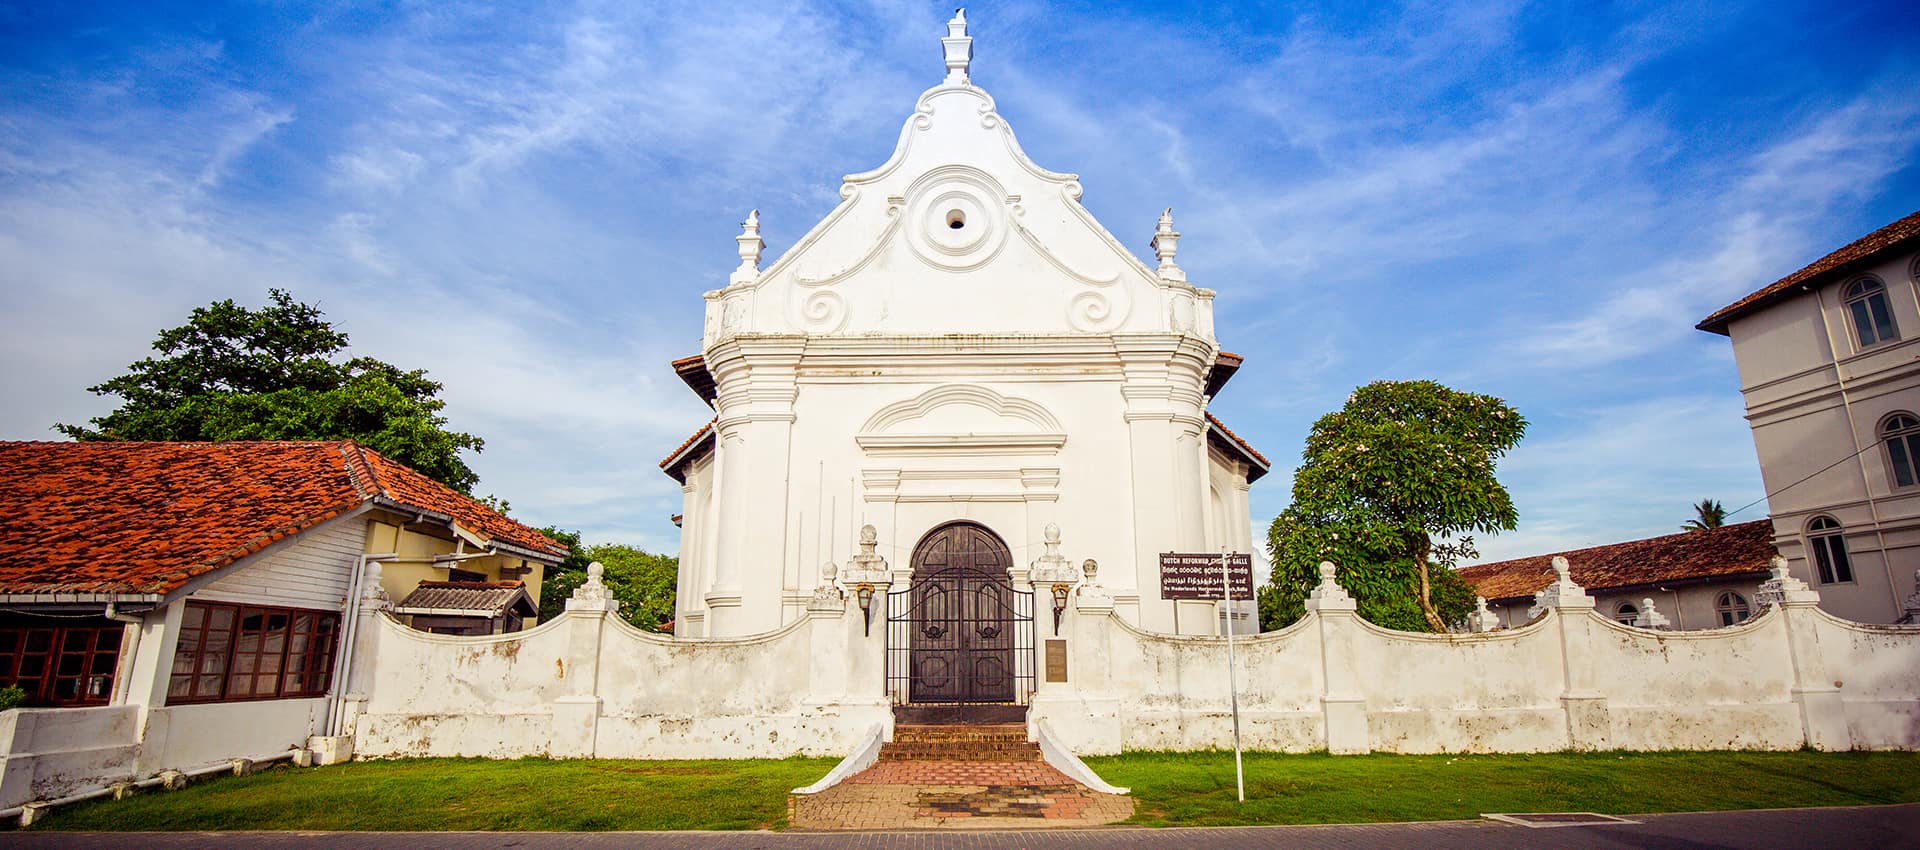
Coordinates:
402 484
1261 464
144 518
1224 366
1857 253
1725 551
701 440
693 371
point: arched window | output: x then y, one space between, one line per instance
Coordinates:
1732 608
1901 435
1626 612
1829 551
1867 307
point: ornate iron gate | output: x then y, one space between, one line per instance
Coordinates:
960 633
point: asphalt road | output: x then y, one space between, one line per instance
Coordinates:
1861 827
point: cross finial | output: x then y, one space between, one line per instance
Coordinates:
959 48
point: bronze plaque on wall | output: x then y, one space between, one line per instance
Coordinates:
1056 661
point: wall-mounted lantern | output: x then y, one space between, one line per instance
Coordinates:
864 593
1059 605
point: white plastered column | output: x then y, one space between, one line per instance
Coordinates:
757 389
1162 389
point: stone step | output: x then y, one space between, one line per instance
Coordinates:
970 751
925 732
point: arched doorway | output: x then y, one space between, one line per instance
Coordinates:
966 631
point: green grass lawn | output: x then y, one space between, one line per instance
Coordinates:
1173 789
1197 789
469 794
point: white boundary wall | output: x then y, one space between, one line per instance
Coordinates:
1570 679
586 684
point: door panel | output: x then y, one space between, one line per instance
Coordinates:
962 618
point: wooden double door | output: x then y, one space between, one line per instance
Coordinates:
963 618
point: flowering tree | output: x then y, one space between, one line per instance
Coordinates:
280 373
1391 487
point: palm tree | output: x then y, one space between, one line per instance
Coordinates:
1710 514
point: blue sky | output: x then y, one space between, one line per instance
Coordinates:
1534 201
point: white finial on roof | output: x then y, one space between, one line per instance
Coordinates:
1166 241
959 48
750 246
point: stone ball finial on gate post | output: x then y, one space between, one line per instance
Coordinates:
1562 593
1648 617
373 592
1783 589
592 594
1482 619
1329 595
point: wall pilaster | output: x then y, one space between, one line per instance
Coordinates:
1588 725
576 716
1343 705
1822 714
756 385
1163 380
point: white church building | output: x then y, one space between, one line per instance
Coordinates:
958 355
957 426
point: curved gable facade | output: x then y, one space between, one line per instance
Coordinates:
958 339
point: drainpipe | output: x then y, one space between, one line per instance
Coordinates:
349 632
129 651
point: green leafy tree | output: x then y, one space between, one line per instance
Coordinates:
279 373
1708 514
1391 487
641 581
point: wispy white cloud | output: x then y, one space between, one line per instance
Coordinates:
1616 472
1762 226
528 203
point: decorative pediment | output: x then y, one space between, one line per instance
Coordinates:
958 231
962 418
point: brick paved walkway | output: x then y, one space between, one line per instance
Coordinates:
958 777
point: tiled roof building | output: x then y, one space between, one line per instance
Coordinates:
120 518
1829 360
1686 574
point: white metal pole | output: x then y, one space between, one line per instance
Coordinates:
1233 689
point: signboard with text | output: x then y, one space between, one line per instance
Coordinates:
1197 575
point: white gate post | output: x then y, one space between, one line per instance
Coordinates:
827 641
867 579
576 716
1589 727
1823 716
1089 621
1343 707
